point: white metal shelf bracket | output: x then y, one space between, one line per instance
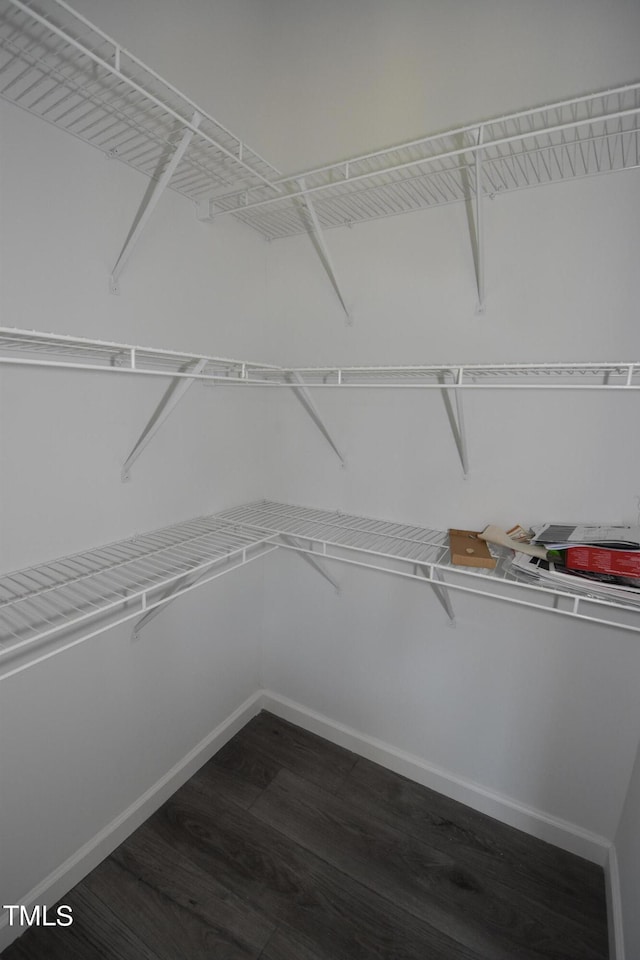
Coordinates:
172 397
187 583
479 226
171 594
321 247
439 586
455 415
302 394
311 559
150 202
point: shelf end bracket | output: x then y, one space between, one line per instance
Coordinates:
304 397
171 398
172 593
479 225
439 586
150 202
322 248
455 415
312 560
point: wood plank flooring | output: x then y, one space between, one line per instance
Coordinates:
286 847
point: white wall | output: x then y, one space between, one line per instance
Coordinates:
522 703
338 79
308 83
85 734
628 854
525 704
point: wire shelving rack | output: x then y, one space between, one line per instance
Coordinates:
53 351
58 351
422 554
588 135
59 66
37 349
50 607
71 599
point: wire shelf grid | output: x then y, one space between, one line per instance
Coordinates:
423 554
61 67
612 375
583 137
58 65
63 594
32 348
89 592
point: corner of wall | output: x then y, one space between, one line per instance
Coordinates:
614 906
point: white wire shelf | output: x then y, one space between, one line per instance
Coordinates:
56 605
90 592
612 375
61 67
33 348
36 349
588 135
419 553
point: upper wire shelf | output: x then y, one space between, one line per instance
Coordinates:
58 65
32 348
589 135
586 376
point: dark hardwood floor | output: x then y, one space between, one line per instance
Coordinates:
286 847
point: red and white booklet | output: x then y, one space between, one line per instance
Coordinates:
611 550
621 562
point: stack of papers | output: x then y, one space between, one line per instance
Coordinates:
597 585
558 536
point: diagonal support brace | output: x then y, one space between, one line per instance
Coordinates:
479 225
322 248
173 592
455 415
302 394
147 208
440 590
181 586
172 397
312 560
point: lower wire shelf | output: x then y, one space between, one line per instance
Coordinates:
50 607
56 605
422 554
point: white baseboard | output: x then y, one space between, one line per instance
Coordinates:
559 832
69 873
614 906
